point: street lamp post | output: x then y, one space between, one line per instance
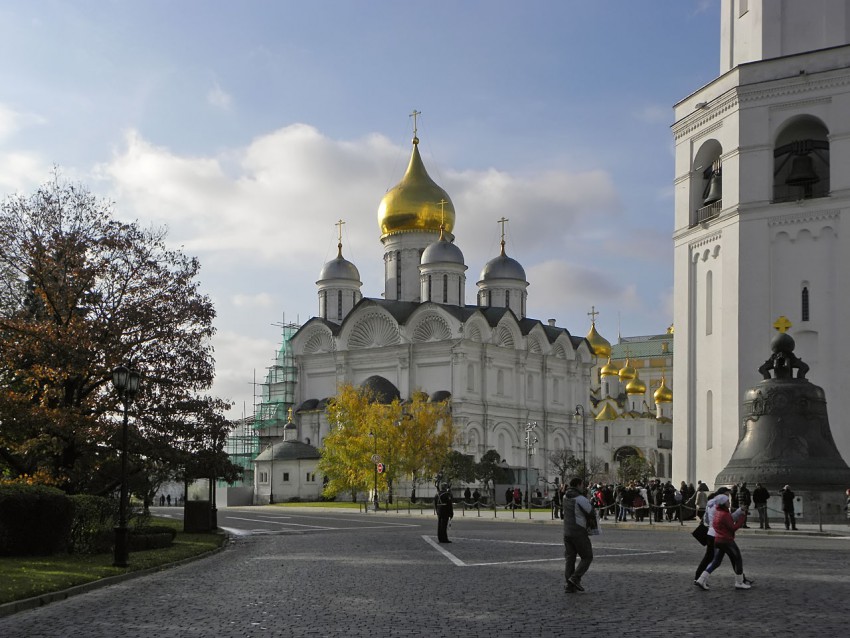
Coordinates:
530 440
271 475
580 413
126 382
375 461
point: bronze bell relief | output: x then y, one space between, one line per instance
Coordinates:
785 436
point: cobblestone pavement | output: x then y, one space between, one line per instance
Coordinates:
385 575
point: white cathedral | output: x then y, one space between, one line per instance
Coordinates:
502 369
762 190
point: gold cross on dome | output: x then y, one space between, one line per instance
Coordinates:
503 221
415 115
782 324
592 314
339 230
442 203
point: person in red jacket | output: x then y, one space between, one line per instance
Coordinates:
724 525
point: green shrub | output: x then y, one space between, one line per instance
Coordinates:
151 537
34 519
92 530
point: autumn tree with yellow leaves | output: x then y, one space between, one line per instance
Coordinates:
411 439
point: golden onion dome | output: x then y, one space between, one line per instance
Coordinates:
416 202
636 386
663 394
609 369
600 345
627 372
607 413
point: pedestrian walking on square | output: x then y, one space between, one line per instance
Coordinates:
788 508
708 521
577 512
745 500
724 525
557 495
760 496
445 512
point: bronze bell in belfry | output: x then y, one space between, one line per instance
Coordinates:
785 436
715 189
802 171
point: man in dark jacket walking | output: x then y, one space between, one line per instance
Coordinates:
577 510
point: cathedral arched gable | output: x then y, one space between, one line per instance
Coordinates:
536 341
431 324
583 353
313 339
370 328
476 329
507 333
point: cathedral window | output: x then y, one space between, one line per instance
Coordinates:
556 390
530 386
605 434
428 296
489 298
445 289
470 377
286 477
507 299
500 382
706 183
459 291
805 303
339 304
323 304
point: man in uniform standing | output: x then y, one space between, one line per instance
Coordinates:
445 511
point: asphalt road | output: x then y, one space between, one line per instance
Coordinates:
334 573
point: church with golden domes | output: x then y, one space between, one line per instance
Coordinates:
501 368
631 401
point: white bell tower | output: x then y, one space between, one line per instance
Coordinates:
762 192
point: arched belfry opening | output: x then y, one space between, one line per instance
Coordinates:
801 161
706 185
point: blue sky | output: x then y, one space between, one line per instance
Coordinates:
249 128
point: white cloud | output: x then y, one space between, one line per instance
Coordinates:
263 300
262 220
240 360
219 98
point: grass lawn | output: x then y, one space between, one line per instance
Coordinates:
26 576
